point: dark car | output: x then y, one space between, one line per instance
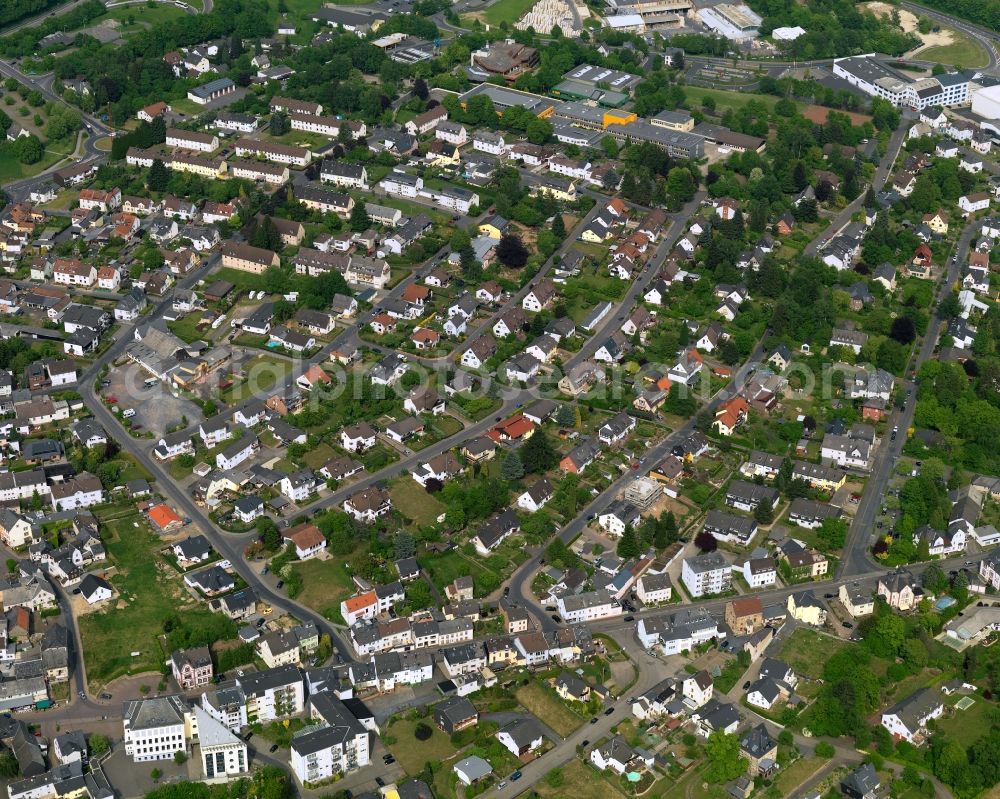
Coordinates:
550 608
515 776
105 696
594 720
556 618
609 711
273 749
506 590
281 584
248 736
848 625
585 742
829 596
630 618
380 782
388 760
746 685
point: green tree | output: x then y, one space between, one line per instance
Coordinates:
722 751
824 749
886 635
628 544
512 468
559 227
158 177
360 221
99 744
538 453
764 512
279 124
269 534
28 149
565 416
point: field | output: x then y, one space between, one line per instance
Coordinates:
186 328
580 782
55 152
725 99
507 11
445 567
412 755
237 277
261 373
149 593
324 584
548 708
968 726
962 53
801 770
414 503
807 650
142 16
317 457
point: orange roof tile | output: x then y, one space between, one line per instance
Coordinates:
360 601
162 516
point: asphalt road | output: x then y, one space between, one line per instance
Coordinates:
882 173
856 557
95 129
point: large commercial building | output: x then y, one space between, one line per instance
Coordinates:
737 23
640 15
875 78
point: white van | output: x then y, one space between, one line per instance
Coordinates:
128 413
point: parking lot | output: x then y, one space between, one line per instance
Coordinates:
156 409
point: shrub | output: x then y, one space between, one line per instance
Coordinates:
422 732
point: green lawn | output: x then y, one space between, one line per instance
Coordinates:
962 53
792 777
132 622
261 373
160 12
413 754
186 328
324 584
541 701
507 11
241 279
968 726
580 782
445 567
317 457
806 651
725 99
11 170
410 499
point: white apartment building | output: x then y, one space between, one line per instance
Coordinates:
588 606
273 694
341 173
156 728
706 574
339 743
